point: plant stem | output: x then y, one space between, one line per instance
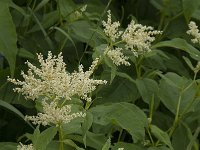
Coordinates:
176 120
138 66
60 137
120 134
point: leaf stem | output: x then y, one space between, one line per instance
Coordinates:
176 120
60 137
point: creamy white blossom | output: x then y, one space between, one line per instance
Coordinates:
111 29
117 56
120 148
51 79
25 147
53 114
80 12
194 31
138 38
82 84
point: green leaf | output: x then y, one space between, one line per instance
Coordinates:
93 140
159 148
41 4
127 116
12 109
161 135
66 7
180 138
72 144
189 7
107 145
121 90
8 36
148 88
82 31
180 44
41 140
176 91
25 54
8 146
187 60
127 146
86 126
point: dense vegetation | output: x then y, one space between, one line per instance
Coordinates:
139 88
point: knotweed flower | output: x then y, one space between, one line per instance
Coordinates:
25 147
52 114
138 38
81 82
194 31
111 29
117 56
52 80
79 13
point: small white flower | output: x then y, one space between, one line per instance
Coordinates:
138 38
117 56
194 31
52 114
25 147
120 148
79 13
111 29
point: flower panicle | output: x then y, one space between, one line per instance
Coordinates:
194 31
25 147
51 79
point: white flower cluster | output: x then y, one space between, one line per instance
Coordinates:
120 148
79 13
117 56
194 31
137 38
25 147
111 29
52 114
52 80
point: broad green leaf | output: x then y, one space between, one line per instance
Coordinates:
148 88
11 108
107 145
159 148
41 4
82 31
176 91
67 35
161 135
8 146
127 116
41 140
180 138
127 146
189 7
72 144
8 36
48 20
25 54
121 90
86 126
66 7
180 44
93 140
187 60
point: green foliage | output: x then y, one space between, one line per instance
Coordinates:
153 104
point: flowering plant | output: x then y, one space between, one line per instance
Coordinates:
115 75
